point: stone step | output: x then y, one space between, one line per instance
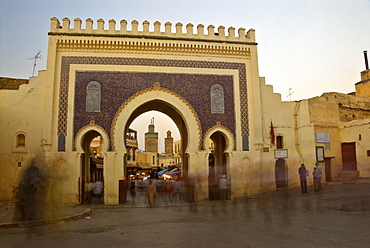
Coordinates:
347 175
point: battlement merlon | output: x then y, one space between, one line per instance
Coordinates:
243 37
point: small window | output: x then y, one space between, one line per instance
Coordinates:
279 142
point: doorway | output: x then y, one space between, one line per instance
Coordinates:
92 167
281 176
349 161
155 159
328 169
216 165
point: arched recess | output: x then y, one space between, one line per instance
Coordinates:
20 142
226 133
80 136
167 102
247 179
89 171
218 164
59 184
281 174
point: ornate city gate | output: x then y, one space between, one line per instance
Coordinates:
106 78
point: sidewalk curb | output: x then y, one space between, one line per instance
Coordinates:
85 213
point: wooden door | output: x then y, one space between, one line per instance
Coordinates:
349 156
328 169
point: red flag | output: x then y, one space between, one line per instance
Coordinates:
272 133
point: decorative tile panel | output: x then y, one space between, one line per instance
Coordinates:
116 87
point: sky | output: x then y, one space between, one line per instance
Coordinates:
308 46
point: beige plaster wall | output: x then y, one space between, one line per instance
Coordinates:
290 120
21 111
351 132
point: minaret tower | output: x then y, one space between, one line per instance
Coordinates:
168 144
151 138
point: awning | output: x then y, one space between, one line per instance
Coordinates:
162 172
145 166
132 166
175 172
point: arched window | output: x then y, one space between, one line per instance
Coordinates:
93 97
19 142
279 142
217 99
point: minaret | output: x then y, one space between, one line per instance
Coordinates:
363 87
151 138
168 144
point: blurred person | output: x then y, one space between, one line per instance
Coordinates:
132 189
89 186
140 186
285 209
30 185
177 189
319 171
151 189
31 194
303 178
222 185
315 175
98 190
169 190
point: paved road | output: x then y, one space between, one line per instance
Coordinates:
339 216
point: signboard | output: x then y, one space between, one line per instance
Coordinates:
322 137
282 153
320 157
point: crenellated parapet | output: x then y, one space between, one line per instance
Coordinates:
157 31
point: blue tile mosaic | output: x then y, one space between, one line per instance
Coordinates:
118 86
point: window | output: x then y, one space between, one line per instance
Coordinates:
279 142
19 142
93 97
217 99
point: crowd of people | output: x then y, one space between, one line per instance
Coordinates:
159 191
168 190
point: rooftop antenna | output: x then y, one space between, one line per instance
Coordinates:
290 94
37 56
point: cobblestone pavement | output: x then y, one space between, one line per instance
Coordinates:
338 216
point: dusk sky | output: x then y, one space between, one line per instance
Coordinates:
310 46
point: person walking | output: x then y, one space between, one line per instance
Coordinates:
151 189
169 190
98 191
315 179
132 189
303 178
319 176
222 185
